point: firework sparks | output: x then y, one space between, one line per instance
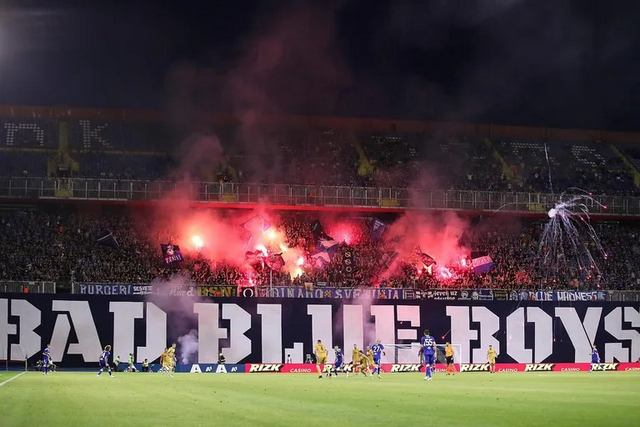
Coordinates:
568 240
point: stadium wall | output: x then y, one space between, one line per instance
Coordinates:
265 330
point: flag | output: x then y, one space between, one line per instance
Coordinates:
328 243
429 269
321 258
106 239
171 253
318 231
253 257
483 264
254 226
377 229
388 258
275 262
324 253
323 239
426 259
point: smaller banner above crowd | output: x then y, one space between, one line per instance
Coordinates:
449 294
337 293
144 289
532 295
320 293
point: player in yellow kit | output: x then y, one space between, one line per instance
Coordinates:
364 364
491 358
355 359
169 360
448 354
321 357
370 360
163 358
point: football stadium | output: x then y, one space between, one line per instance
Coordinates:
308 213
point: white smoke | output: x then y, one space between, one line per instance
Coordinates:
171 296
366 300
188 345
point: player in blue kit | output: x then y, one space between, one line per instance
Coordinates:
378 351
428 353
339 361
104 360
595 357
46 360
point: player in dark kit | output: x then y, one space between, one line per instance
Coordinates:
378 351
428 349
339 361
46 359
595 357
104 360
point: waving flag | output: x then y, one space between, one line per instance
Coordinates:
254 227
377 229
253 257
426 259
171 253
318 231
323 240
321 258
328 243
275 262
483 264
256 224
388 258
325 251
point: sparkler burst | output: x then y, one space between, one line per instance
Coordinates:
569 242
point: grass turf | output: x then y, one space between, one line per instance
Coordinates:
474 399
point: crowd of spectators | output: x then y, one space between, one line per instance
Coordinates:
62 246
557 166
333 157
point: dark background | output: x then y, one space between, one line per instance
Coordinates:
552 63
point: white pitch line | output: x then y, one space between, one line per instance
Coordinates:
12 378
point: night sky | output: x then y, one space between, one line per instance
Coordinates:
554 63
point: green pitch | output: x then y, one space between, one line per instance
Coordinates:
475 399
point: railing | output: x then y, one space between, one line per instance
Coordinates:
27 287
302 195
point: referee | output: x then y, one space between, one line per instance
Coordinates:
448 354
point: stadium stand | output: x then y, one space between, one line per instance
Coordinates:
314 154
590 166
60 245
